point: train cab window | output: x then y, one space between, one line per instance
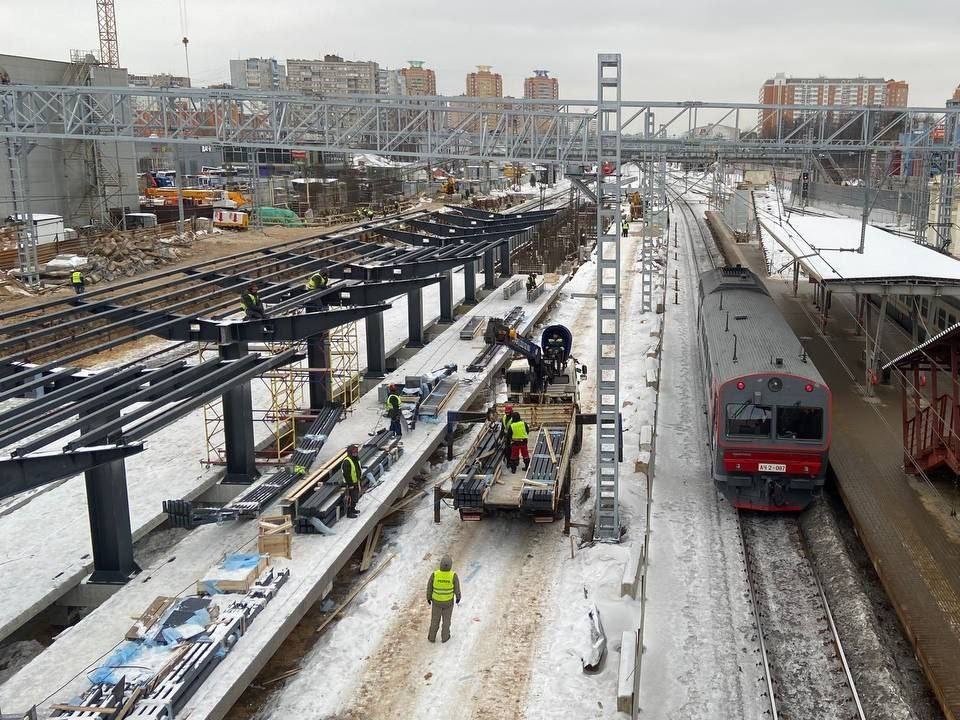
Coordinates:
748 420
800 423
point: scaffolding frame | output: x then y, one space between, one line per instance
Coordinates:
345 379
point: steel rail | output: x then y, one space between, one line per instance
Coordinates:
851 683
755 605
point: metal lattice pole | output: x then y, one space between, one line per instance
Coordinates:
948 179
608 296
650 196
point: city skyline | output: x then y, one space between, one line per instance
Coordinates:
695 52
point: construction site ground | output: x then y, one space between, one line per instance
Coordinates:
59 671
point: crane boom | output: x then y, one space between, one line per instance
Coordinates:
107 24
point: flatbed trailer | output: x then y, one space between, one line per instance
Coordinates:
482 484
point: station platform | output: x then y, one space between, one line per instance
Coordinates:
41 568
912 541
59 672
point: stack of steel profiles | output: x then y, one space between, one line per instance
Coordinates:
162 693
430 407
250 503
535 293
480 470
471 328
542 477
512 288
484 357
322 497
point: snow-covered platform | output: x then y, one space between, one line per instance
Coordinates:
43 566
60 670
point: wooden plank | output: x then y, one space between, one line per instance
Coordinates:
149 616
625 673
83 709
356 592
549 440
370 547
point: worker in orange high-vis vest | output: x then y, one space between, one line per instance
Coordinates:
443 589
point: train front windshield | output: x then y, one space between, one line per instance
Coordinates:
748 420
800 423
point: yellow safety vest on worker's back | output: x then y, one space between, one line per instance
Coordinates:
76 277
442 585
518 430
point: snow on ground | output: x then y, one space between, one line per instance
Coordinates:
514 650
559 688
698 659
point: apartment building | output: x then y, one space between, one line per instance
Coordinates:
332 76
418 80
258 74
840 92
540 86
158 80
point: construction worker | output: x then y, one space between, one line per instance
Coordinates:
443 588
393 410
506 420
252 305
360 214
531 282
318 281
352 473
625 225
369 213
76 279
518 433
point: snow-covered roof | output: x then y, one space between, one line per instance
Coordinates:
827 249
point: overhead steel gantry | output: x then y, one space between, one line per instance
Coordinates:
560 132
100 419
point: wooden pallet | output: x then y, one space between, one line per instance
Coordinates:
232 581
275 536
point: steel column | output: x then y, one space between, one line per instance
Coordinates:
608 297
504 250
470 283
446 297
415 318
108 509
318 361
489 271
238 424
376 346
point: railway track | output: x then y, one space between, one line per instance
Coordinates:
801 653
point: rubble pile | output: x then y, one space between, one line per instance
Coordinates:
10 286
118 255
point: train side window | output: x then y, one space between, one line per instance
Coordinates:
800 423
748 420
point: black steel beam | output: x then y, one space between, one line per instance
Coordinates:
108 401
446 298
285 328
415 269
415 318
42 380
20 474
376 347
494 216
472 226
470 283
369 293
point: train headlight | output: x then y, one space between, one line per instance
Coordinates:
775 384
741 384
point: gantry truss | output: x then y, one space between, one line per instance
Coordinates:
505 129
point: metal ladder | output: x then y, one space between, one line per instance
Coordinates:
608 297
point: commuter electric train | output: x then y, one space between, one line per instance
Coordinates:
768 408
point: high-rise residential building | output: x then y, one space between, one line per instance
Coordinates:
159 80
391 82
840 92
418 79
332 76
541 86
484 83
258 74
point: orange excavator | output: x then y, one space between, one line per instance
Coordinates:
230 199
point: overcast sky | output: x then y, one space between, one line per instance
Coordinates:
672 49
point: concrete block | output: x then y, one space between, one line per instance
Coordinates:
653 381
627 671
659 308
631 573
646 437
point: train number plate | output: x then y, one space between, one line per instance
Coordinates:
772 467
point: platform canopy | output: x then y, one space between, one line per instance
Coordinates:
935 352
827 248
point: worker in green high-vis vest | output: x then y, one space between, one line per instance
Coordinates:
76 279
443 589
